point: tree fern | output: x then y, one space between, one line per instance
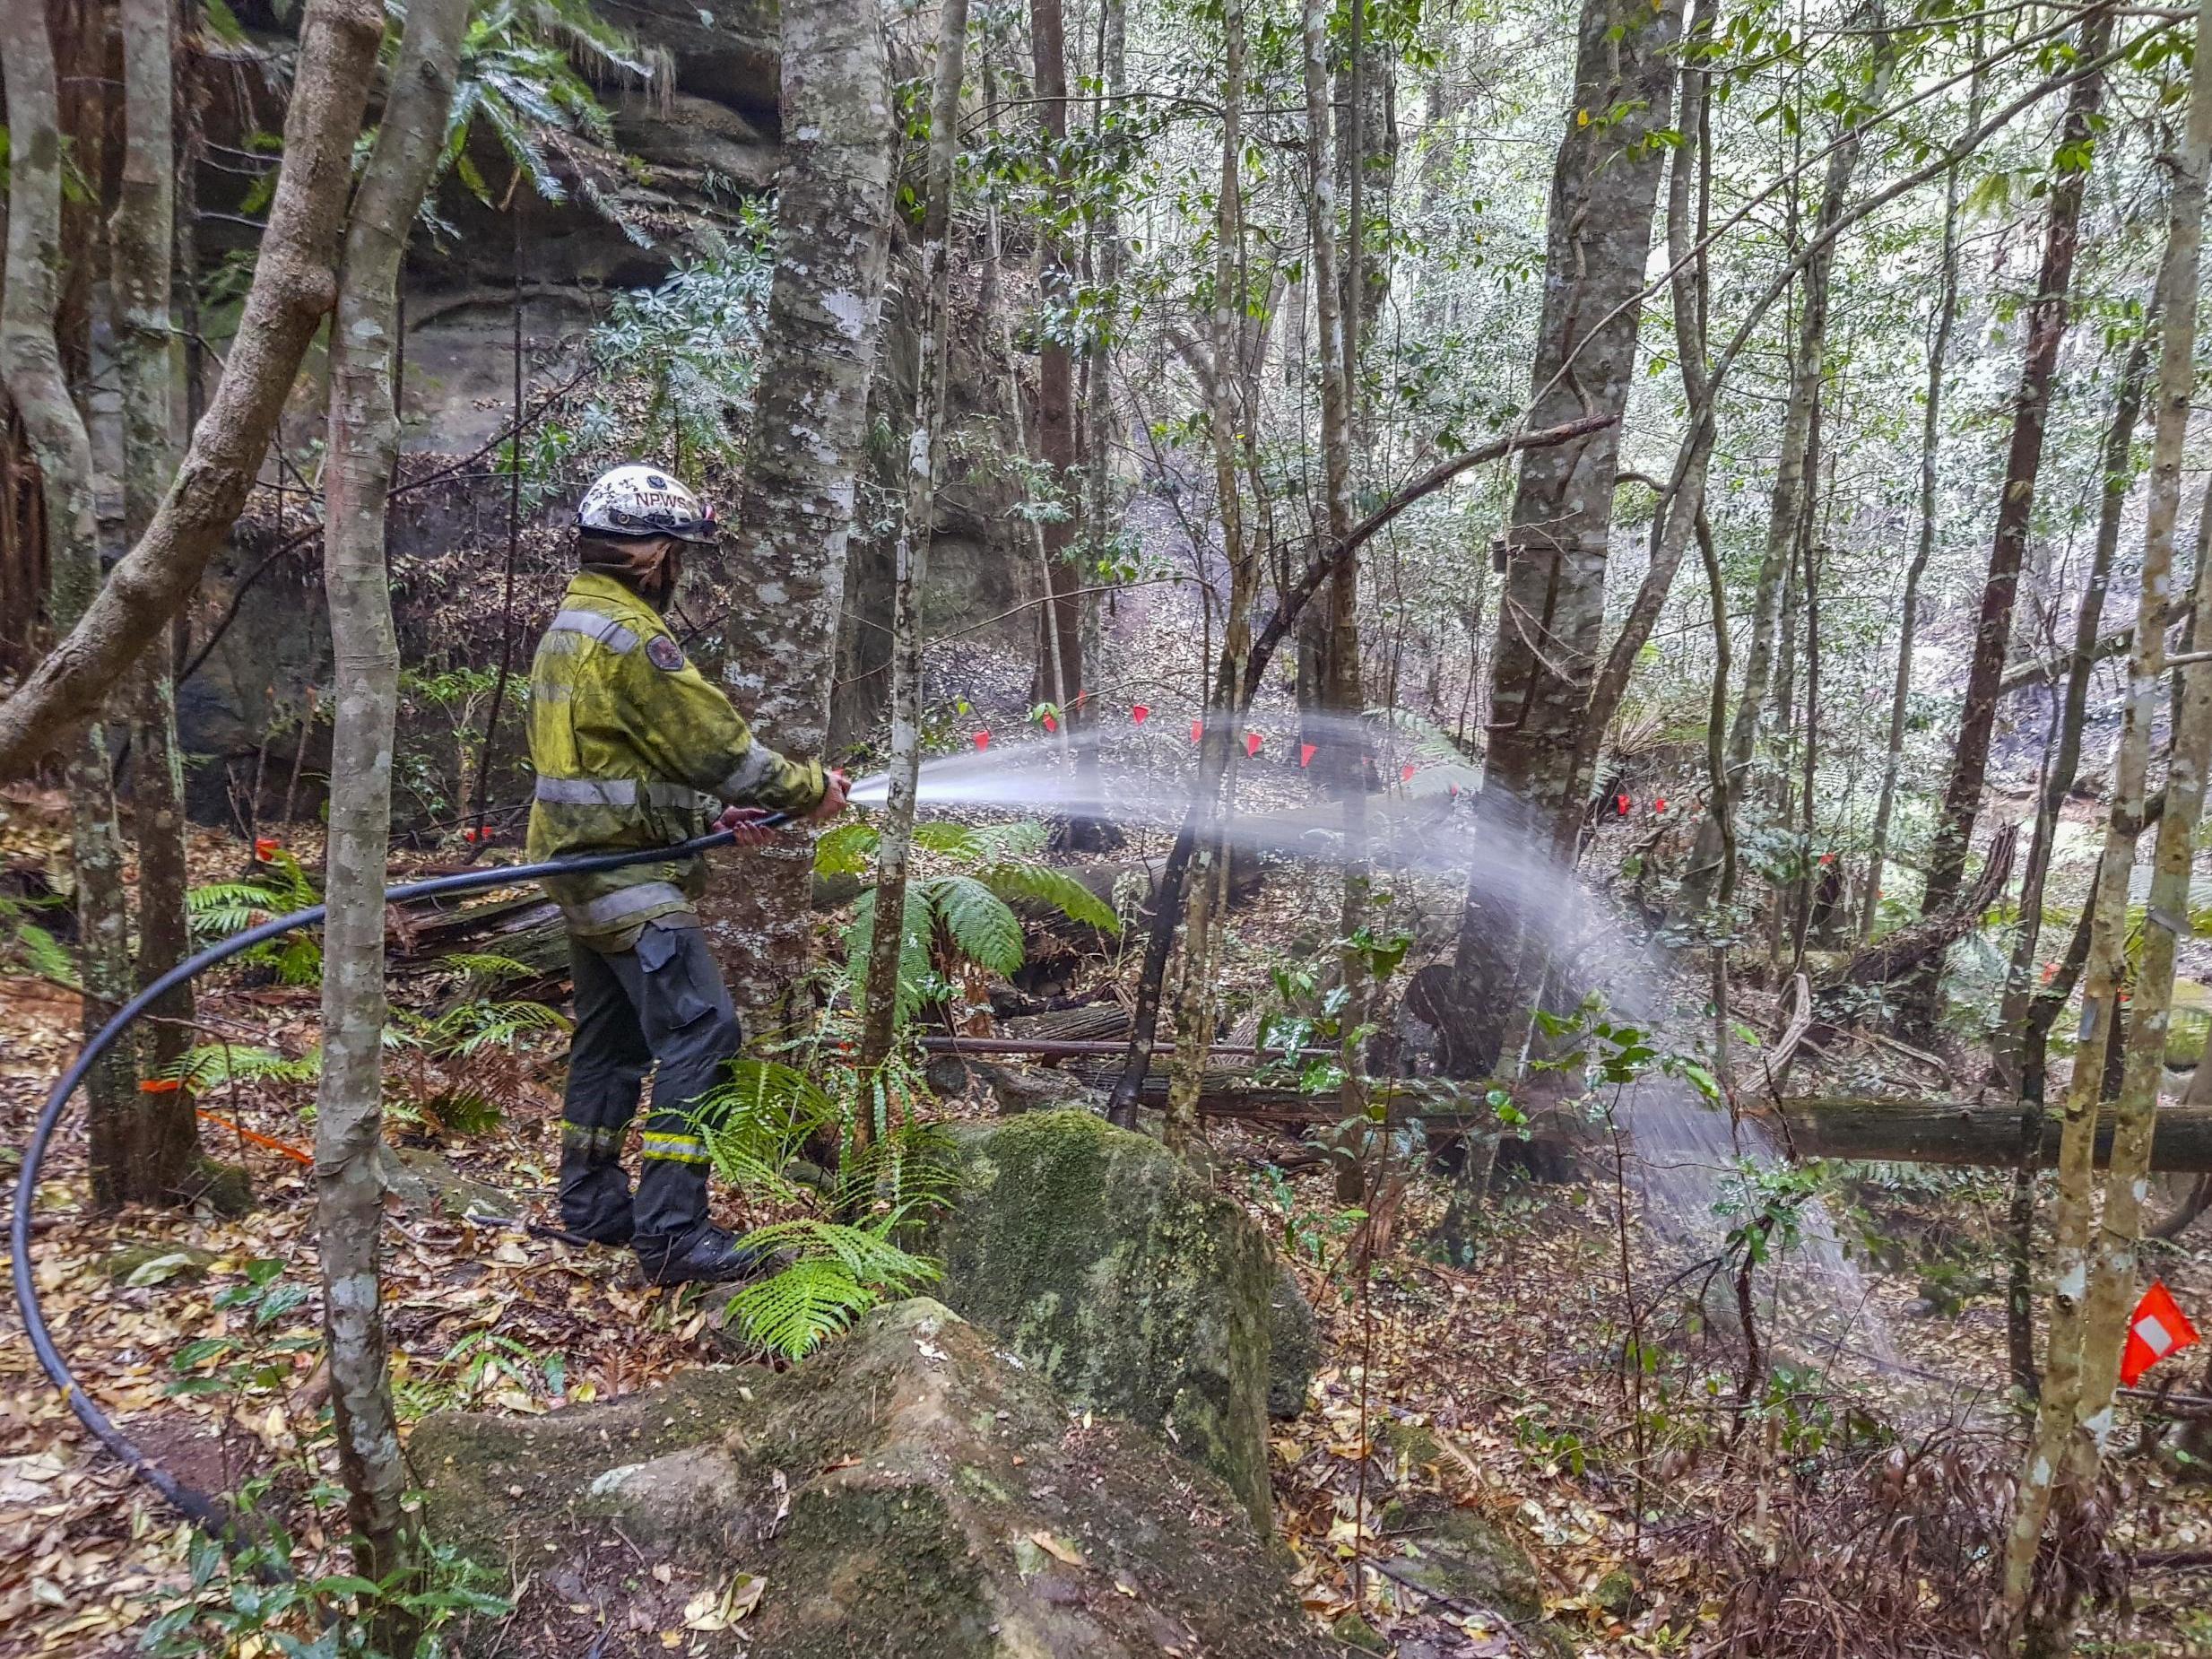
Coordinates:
915 977
977 921
1042 884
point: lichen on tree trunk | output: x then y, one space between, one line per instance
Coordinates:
363 439
30 361
786 562
165 1129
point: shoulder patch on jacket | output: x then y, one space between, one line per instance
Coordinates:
664 654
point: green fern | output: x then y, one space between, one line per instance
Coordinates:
897 1175
490 966
210 1066
1042 884
846 850
791 1312
840 1273
977 921
45 955
757 1121
916 983
471 1027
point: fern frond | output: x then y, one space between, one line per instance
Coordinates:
46 957
867 1255
846 850
1046 885
212 1066
791 1312
914 968
489 965
755 1121
950 840
980 924
909 1171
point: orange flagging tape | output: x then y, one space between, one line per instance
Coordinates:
256 1138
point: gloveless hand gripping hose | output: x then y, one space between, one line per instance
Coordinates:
199 1507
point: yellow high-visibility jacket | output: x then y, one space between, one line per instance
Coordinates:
633 748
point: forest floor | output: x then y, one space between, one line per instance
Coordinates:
1851 1511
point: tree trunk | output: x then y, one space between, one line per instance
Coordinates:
1603 190
2095 1255
1908 617
808 442
292 289
1675 518
142 231
2017 1045
363 439
1231 394
2075 1414
30 361
1786 510
1055 413
2016 501
880 1001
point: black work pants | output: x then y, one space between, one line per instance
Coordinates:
660 1002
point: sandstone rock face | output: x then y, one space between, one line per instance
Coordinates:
1110 1266
911 1489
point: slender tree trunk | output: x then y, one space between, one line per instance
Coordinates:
2075 1414
2015 502
1674 521
30 361
2095 1256
911 554
808 445
1055 413
2016 1061
1229 384
1604 188
1786 510
1908 617
142 231
291 292
363 439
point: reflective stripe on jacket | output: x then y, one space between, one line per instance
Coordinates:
634 748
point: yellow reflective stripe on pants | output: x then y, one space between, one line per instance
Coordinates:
682 1149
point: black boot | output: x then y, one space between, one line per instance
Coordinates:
706 1255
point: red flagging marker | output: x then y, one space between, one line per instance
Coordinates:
1306 754
2157 1327
1137 712
1251 742
983 740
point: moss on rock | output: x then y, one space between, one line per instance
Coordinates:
1116 1271
907 1490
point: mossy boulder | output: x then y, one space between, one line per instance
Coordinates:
1112 1267
910 1489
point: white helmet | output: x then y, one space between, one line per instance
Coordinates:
637 501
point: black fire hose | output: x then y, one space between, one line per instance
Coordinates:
198 1507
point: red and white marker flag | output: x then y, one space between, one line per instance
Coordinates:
1306 754
2157 1327
1251 742
1137 712
1198 729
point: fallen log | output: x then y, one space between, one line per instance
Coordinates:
1959 1132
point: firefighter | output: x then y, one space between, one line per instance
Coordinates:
634 748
